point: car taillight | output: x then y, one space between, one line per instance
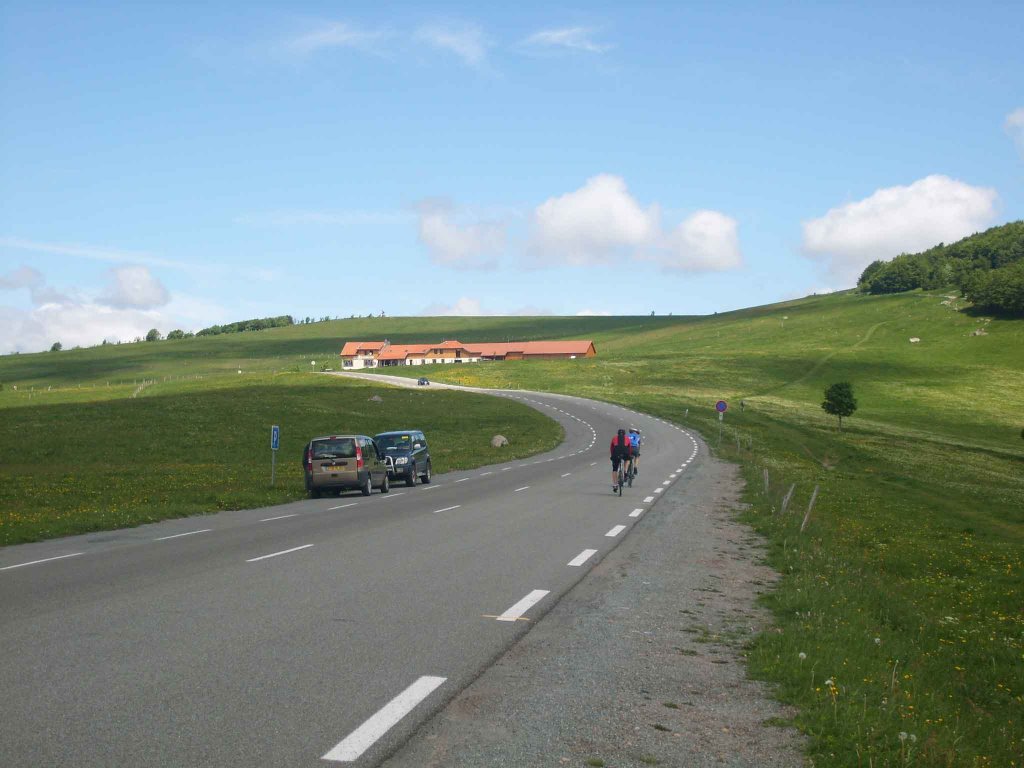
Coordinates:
309 459
359 457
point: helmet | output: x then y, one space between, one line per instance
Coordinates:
633 429
622 432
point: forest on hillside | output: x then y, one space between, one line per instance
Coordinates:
987 267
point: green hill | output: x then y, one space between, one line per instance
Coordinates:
903 587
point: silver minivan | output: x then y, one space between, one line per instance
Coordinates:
344 462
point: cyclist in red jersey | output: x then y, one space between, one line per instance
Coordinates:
621 450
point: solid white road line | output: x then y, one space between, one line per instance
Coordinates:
523 605
517 490
616 530
343 506
582 557
648 499
44 560
637 512
279 517
179 535
275 554
446 509
366 735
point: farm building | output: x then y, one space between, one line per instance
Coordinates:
372 354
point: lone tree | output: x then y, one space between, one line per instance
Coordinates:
57 347
153 335
839 401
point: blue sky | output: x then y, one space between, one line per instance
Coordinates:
178 165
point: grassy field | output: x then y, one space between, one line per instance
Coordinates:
900 631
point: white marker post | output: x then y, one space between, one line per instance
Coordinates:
275 443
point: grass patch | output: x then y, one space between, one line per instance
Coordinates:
193 447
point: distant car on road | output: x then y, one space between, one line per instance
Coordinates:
423 381
406 455
344 462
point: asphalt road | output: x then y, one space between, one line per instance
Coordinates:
318 631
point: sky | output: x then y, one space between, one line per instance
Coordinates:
178 165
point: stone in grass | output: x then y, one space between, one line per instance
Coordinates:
499 441
376 399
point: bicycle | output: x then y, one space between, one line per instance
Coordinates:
622 478
631 474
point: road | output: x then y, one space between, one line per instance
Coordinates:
309 633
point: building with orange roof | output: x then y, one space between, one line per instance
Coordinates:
372 354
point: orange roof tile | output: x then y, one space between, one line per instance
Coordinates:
354 347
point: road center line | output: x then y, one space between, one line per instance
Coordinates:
517 490
179 535
366 735
616 530
275 554
637 512
582 557
517 610
343 506
44 560
279 517
446 509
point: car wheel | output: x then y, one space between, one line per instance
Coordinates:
366 487
425 477
385 487
410 478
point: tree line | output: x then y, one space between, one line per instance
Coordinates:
257 324
987 267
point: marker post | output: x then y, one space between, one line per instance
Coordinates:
275 443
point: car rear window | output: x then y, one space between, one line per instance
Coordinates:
342 448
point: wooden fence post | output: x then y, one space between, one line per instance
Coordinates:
807 517
785 501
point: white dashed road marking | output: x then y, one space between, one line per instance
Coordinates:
517 610
616 530
648 499
179 535
275 554
366 735
446 509
637 512
279 517
343 506
44 560
582 557
517 490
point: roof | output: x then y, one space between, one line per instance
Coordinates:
401 351
353 347
533 348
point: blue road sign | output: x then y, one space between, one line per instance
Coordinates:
721 406
275 437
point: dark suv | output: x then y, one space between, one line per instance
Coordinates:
406 455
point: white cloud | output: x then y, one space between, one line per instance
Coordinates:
467 41
704 241
450 244
895 220
331 35
134 287
571 38
602 222
1014 126
593 224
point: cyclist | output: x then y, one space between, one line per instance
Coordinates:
634 439
621 450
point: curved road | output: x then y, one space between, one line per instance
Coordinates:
318 631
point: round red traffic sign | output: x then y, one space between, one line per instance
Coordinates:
721 406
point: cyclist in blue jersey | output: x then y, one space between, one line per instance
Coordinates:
634 439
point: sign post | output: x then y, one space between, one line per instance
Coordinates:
721 406
275 443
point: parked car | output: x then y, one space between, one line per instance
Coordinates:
344 462
406 455
423 381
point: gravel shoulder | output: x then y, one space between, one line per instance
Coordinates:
641 663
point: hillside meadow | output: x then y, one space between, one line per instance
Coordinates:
899 632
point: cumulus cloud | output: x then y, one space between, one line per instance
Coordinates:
705 241
467 41
568 38
451 244
595 223
133 304
897 220
602 222
1014 126
134 287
